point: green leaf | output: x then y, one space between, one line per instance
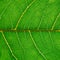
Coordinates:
29 29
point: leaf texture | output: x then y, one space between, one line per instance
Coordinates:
29 29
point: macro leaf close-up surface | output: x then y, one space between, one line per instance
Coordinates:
29 29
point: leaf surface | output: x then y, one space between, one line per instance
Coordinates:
29 30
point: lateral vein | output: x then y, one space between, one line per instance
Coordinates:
8 46
55 21
24 13
37 47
